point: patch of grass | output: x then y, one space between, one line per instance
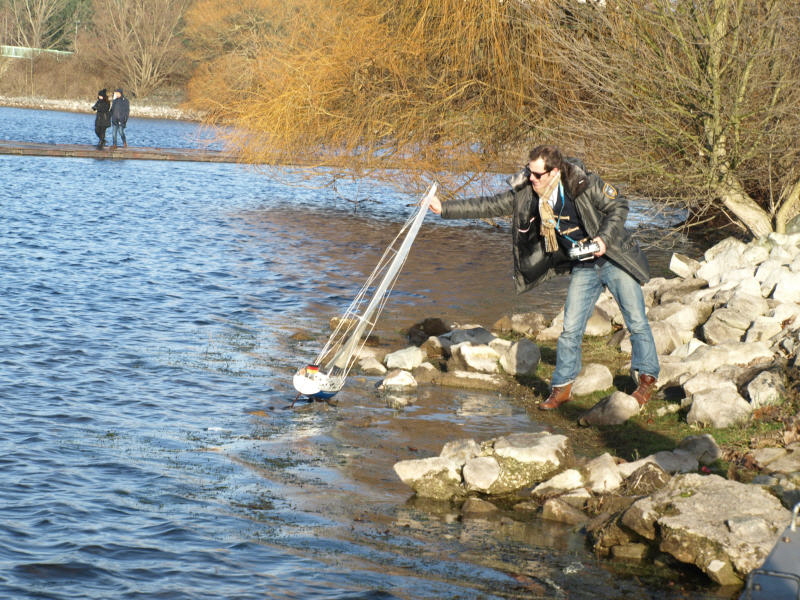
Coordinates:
652 430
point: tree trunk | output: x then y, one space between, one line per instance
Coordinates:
788 208
747 210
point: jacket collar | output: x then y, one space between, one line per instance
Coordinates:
574 178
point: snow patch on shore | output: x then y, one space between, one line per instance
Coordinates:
137 110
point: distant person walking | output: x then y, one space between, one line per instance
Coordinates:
120 109
102 120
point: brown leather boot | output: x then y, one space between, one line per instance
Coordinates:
558 396
645 389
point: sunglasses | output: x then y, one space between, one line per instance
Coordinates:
528 173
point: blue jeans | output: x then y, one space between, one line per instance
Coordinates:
119 128
585 286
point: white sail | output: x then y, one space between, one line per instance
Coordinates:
327 375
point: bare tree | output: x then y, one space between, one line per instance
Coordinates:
694 102
139 40
434 85
38 23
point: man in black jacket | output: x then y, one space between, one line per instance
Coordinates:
120 110
565 219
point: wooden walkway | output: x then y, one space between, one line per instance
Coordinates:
131 152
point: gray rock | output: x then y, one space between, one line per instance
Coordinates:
782 254
718 408
473 381
755 254
788 288
765 456
556 509
788 463
599 324
687 348
529 458
566 481
407 358
551 333
632 551
500 345
602 475
398 379
433 348
768 274
728 246
671 461
703 447
481 358
577 498
612 410
701 382
607 307
522 358
481 473
426 373
684 520
732 278
476 335
371 366
721 261
749 305
763 329
460 451
725 325
477 507
528 324
666 337
593 377
683 266
676 461
435 477
709 358
766 388
684 317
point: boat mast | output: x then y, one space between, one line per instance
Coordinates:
342 358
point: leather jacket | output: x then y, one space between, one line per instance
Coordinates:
601 210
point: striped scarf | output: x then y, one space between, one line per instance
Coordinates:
547 229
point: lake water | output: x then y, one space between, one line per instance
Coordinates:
146 354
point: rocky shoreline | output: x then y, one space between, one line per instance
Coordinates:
728 335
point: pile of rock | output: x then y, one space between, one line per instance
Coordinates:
630 509
469 356
726 329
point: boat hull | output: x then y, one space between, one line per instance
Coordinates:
312 383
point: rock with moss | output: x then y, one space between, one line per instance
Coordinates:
495 467
686 519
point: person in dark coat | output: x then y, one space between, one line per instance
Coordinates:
102 120
120 109
558 210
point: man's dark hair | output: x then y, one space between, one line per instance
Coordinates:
551 155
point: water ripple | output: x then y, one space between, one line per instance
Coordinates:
147 310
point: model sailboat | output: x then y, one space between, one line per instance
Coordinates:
327 375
